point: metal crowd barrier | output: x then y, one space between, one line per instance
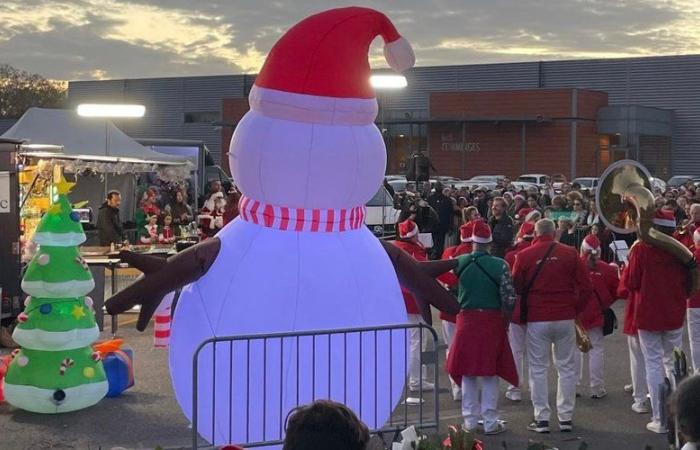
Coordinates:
419 413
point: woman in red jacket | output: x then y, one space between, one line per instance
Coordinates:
408 242
605 282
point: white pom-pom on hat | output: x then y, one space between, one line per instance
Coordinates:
399 54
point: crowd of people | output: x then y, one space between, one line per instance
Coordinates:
535 276
161 218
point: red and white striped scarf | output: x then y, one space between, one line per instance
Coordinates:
300 219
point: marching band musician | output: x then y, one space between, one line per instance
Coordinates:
660 281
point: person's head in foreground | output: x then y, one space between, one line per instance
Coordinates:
686 405
325 424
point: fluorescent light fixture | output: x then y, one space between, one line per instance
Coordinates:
388 81
100 110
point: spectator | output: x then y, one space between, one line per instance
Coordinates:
470 213
389 188
442 204
109 225
685 233
149 233
180 210
566 234
686 409
481 202
533 202
325 425
231 208
502 227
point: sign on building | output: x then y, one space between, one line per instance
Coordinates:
451 144
5 192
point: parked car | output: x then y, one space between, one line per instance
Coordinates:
657 184
557 181
524 186
589 183
679 180
381 215
398 185
447 181
395 177
488 178
534 178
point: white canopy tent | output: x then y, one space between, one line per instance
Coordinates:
113 158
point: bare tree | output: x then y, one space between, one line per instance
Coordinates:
21 90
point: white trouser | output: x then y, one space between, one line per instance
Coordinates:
448 332
541 336
596 362
694 336
656 345
637 369
415 348
486 409
516 337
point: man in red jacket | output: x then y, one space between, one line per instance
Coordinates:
660 281
517 330
605 283
694 314
554 286
408 242
637 369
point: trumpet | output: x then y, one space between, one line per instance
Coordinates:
626 204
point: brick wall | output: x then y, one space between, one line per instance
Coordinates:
548 144
232 110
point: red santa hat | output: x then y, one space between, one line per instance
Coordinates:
319 72
482 233
519 197
408 229
523 212
590 244
527 231
466 231
664 218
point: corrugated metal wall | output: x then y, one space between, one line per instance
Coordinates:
664 82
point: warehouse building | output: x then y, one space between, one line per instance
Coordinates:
570 117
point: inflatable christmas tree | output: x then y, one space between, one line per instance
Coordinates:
56 369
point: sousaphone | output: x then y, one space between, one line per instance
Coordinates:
626 205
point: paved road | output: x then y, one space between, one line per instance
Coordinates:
148 415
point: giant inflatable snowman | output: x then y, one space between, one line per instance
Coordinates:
307 157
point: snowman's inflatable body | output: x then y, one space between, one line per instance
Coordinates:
299 257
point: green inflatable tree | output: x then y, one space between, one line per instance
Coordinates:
56 369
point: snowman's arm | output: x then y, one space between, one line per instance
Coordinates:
437 268
173 273
426 290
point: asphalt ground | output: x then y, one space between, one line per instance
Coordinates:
147 415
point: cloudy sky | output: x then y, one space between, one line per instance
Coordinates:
96 39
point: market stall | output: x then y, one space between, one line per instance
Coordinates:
91 152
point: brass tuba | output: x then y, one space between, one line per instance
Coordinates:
626 204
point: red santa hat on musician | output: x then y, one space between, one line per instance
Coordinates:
591 244
481 233
527 231
408 229
466 231
664 218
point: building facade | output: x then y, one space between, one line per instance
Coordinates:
569 117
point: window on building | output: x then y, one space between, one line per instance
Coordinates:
202 116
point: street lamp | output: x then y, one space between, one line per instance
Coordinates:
103 110
388 81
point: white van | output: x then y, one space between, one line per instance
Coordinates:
535 178
381 215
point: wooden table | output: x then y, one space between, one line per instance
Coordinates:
102 257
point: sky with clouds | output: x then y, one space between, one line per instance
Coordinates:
98 39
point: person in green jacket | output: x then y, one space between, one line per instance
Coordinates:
480 352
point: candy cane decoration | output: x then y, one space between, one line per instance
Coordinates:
65 365
161 330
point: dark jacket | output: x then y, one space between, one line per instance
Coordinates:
444 208
109 226
503 231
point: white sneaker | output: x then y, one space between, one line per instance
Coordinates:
498 429
640 407
426 387
656 427
514 395
628 388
